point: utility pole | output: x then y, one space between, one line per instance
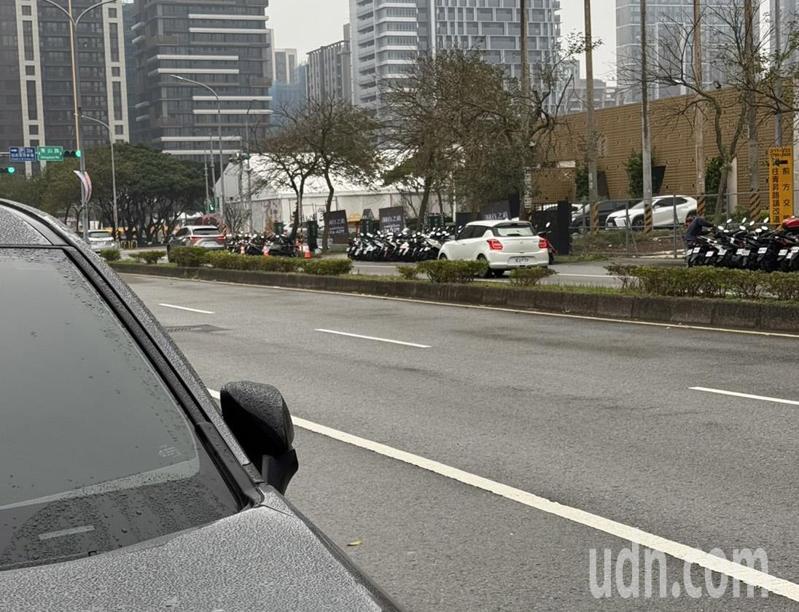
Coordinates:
524 23
525 42
751 110
590 137
776 20
646 149
699 116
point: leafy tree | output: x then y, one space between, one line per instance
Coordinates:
635 174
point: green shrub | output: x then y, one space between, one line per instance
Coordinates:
445 271
626 274
529 277
745 284
149 257
408 272
110 255
189 257
326 267
783 286
279 264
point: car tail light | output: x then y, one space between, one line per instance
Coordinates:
220 239
494 245
194 239
543 243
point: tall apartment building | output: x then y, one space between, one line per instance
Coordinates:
285 65
37 79
387 36
330 71
669 23
224 45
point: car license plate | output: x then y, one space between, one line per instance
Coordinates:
783 252
744 252
520 260
709 254
762 251
722 252
695 251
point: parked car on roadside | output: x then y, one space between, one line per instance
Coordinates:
581 219
100 240
122 485
503 245
663 213
203 236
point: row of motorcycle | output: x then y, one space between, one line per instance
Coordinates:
275 245
398 246
748 246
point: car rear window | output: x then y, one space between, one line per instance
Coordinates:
510 230
95 452
100 235
205 231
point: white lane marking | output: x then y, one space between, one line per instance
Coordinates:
208 312
50 535
685 553
340 333
761 398
534 313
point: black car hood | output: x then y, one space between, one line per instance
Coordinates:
266 558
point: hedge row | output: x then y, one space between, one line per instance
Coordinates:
194 257
705 282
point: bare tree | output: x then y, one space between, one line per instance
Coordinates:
457 118
289 163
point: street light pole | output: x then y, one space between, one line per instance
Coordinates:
76 101
113 170
646 140
219 128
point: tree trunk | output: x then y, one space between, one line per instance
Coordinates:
428 184
721 202
331 192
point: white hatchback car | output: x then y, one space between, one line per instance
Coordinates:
504 245
663 211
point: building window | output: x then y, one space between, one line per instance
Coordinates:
30 70
117 99
119 130
33 113
27 35
115 71
26 10
34 130
112 13
114 35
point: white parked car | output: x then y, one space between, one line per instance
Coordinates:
100 240
504 245
663 208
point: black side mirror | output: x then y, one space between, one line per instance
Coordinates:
259 418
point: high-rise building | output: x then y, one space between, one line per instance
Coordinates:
387 36
38 107
330 71
285 64
288 98
669 25
221 44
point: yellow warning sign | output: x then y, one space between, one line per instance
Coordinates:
780 183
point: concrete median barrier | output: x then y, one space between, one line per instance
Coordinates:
764 316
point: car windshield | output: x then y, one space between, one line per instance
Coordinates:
205 231
100 235
95 453
511 230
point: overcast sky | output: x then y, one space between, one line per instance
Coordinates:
308 24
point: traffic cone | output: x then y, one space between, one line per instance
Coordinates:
306 251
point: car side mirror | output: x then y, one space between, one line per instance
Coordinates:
259 418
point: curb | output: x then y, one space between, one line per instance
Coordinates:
728 314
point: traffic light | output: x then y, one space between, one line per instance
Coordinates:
8 170
73 154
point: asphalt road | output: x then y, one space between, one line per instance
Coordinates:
598 417
586 274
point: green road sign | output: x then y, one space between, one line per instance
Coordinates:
50 154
